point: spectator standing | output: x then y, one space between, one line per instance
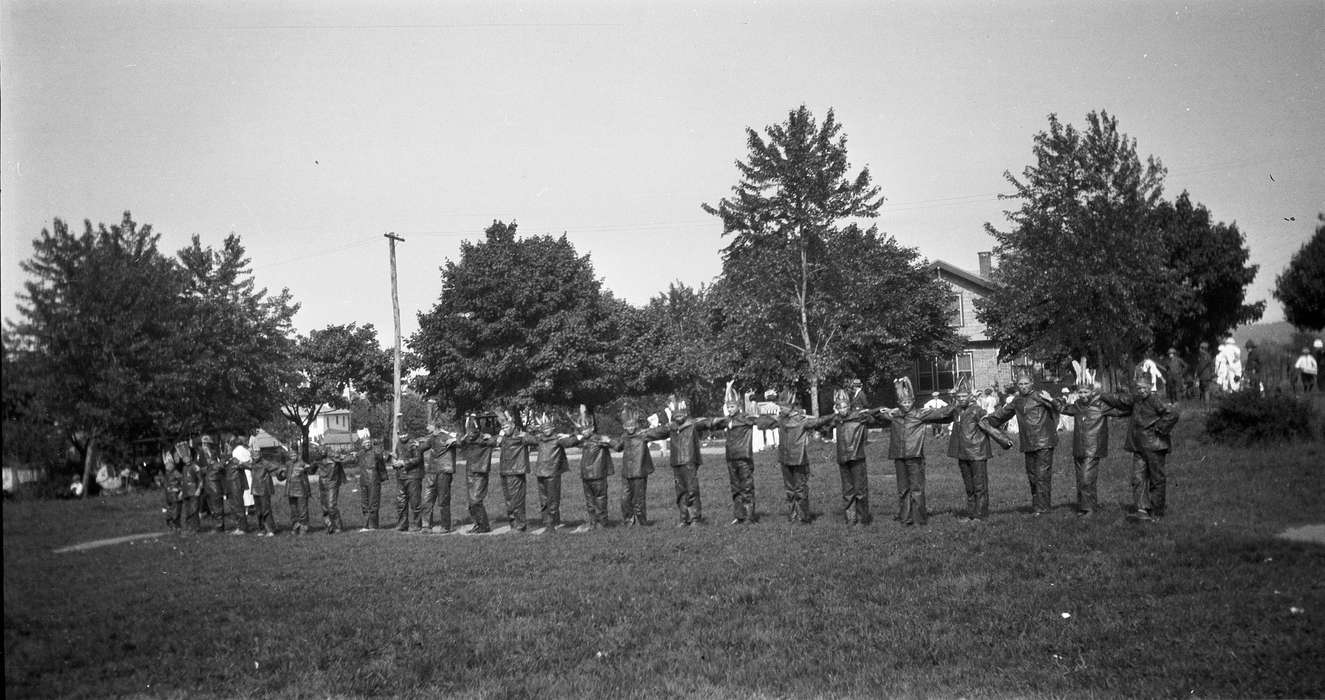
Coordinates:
1306 369
1175 374
933 404
1205 371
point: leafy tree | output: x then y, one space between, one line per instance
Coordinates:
240 340
795 301
1081 270
521 322
1301 286
98 332
673 347
1210 261
328 362
873 307
376 415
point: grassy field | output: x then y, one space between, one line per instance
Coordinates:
1206 603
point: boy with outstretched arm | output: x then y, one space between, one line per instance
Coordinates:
794 429
969 445
739 450
636 466
1149 426
907 450
682 433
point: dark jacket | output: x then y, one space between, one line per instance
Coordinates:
329 468
636 462
740 434
793 436
1205 366
476 450
1037 419
971 432
1151 421
410 465
513 455
552 454
371 464
1090 436
262 471
595 457
907 430
296 478
440 453
682 440
852 435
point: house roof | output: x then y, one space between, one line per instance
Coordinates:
942 267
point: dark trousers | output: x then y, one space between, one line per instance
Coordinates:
437 492
975 476
1088 471
329 499
633 506
1149 484
1040 475
796 481
192 519
234 493
266 519
1174 389
213 489
298 513
595 501
911 491
513 492
549 499
687 493
741 473
174 511
408 503
478 490
370 500
855 492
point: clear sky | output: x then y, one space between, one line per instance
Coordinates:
312 128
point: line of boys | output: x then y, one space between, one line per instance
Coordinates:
427 465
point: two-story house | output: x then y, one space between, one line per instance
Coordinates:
979 360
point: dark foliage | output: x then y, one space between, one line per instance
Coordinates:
1301 287
1247 418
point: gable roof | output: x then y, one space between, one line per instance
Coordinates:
942 267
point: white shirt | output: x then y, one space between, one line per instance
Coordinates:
241 454
1306 363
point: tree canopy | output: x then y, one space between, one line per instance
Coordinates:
1301 286
804 291
326 364
1209 260
520 322
1081 271
98 333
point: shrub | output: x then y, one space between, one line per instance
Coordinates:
1251 418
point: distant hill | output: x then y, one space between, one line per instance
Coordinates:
1277 332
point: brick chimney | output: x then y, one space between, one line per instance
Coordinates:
986 263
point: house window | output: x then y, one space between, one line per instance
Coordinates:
942 373
955 318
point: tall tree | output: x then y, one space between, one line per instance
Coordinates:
240 340
1082 271
98 330
520 321
873 307
328 362
1301 286
1210 261
795 189
674 347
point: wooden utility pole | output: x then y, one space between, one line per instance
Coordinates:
395 309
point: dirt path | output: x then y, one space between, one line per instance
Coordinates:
82 546
1306 533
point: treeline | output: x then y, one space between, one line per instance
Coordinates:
117 341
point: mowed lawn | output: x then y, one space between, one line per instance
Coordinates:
1206 603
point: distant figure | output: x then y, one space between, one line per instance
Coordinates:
1175 374
1251 369
935 403
1228 366
1306 369
988 400
1205 371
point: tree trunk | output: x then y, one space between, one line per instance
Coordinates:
303 442
810 359
89 463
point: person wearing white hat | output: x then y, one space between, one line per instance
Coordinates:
1306 369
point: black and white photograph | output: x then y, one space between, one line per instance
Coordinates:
673 349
